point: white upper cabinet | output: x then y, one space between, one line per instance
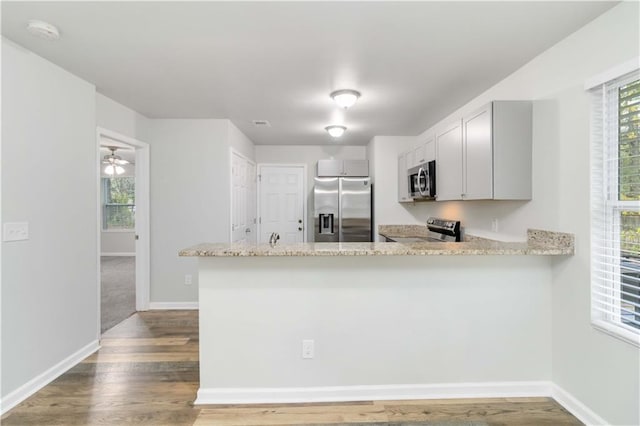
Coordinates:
418 156
488 155
421 153
449 162
355 168
512 150
403 180
477 163
430 148
331 168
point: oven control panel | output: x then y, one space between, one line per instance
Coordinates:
444 226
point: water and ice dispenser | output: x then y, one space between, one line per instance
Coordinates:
326 223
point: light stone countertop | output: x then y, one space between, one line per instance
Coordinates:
545 243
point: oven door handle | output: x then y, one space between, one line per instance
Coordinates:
420 172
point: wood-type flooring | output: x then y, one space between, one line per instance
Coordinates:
146 373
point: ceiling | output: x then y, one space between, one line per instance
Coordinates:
414 62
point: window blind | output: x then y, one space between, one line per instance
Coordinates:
615 207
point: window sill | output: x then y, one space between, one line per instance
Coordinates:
121 231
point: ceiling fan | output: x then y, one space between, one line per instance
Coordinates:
114 162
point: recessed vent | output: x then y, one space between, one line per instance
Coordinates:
261 123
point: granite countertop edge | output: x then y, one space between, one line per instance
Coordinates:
539 243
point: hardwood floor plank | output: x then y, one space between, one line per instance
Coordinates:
327 414
158 341
461 401
141 357
494 413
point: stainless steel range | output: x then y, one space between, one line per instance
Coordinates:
440 230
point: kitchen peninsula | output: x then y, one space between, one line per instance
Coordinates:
379 320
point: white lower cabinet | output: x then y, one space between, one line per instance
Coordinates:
487 154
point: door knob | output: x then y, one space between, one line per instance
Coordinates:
299 220
299 228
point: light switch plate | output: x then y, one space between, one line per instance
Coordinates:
15 231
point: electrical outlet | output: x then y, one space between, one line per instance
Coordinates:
188 279
15 231
494 225
307 349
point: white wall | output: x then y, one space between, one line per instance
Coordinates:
189 189
49 282
383 152
189 199
118 118
309 155
117 243
240 142
375 320
599 370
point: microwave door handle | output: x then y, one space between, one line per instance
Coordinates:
420 172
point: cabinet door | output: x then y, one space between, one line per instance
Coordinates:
356 168
403 179
449 162
478 155
430 149
420 155
329 168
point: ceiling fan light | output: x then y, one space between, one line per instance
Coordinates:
335 131
109 169
345 98
119 170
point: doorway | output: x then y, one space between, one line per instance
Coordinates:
282 204
123 227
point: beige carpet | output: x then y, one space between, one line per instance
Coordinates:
118 290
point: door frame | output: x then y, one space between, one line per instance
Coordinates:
305 195
232 152
142 227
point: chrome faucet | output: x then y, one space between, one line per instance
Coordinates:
273 239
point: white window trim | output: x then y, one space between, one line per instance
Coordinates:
601 146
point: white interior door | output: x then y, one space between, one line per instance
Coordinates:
243 199
252 208
281 201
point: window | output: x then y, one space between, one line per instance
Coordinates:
118 203
615 227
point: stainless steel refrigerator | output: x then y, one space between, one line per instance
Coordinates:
342 209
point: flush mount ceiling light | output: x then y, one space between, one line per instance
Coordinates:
43 30
114 162
335 131
345 98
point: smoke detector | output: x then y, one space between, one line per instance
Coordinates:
43 30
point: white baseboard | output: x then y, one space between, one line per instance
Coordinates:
369 393
575 407
117 254
172 305
32 386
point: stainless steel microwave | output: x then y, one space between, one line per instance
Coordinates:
422 181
